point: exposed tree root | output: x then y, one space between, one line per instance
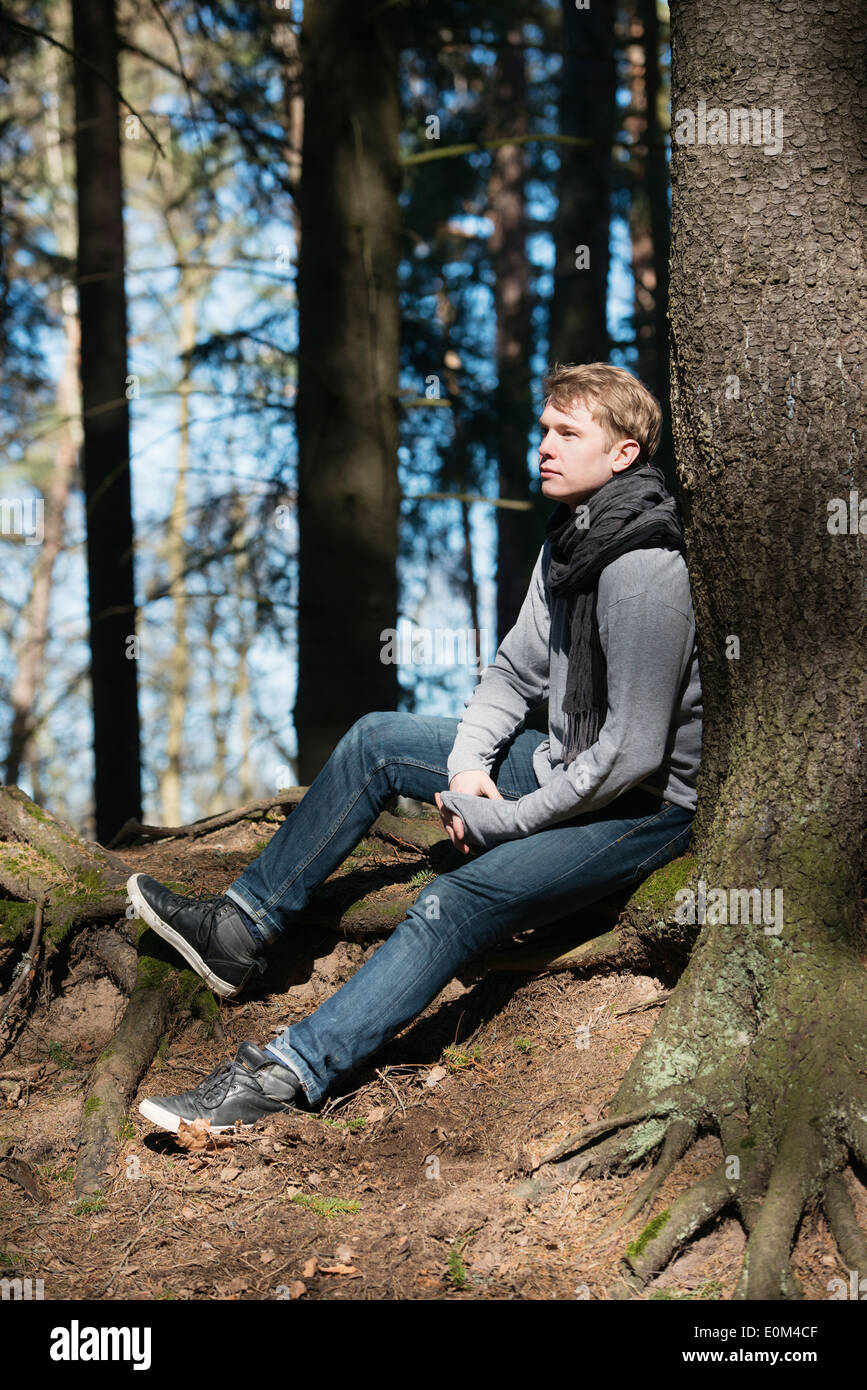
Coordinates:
840 1212
16 997
42 857
592 1131
667 1233
114 1080
678 1138
133 830
160 990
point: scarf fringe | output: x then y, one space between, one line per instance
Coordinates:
582 729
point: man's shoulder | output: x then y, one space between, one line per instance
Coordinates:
655 571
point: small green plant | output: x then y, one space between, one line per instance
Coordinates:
421 878
456 1060
166 1292
92 1104
125 1130
60 1056
353 1125
89 1206
65 1174
458 1275
325 1206
523 1045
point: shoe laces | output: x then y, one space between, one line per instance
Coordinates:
215 1087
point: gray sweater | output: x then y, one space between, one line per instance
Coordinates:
651 736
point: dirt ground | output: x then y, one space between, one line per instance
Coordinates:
401 1187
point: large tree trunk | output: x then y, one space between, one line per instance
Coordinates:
578 331
347 374
764 1040
102 302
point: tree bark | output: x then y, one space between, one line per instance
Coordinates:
347 374
517 544
649 218
579 327
102 307
170 792
764 1039
31 655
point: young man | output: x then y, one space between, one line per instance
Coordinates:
546 825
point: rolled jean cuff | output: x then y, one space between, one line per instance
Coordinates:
282 1049
270 930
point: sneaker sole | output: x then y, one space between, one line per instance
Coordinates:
181 945
167 1120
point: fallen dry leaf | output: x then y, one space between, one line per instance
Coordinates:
230 1173
266 1256
296 1288
309 1267
375 1114
340 1269
188 1213
343 1254
435 1075
196 1136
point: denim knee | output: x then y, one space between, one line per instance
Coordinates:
381 730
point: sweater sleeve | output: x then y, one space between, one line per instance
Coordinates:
648 647
515 683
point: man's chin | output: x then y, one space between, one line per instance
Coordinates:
558 493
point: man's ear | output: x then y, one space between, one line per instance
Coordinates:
628 451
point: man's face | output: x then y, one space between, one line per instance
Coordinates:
573 457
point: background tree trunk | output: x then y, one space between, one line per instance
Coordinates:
176 554
347 375
31 655
649 218
578 328
516 541
102 306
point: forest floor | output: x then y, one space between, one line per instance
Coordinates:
401 1187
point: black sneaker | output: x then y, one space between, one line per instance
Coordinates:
209 933
235 1093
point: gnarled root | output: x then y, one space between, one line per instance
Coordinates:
763 1042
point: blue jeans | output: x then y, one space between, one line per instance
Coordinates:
523 883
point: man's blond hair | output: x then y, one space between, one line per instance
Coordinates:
617 401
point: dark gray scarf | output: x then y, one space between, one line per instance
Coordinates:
632 511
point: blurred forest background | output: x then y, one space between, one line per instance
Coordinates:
279 285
